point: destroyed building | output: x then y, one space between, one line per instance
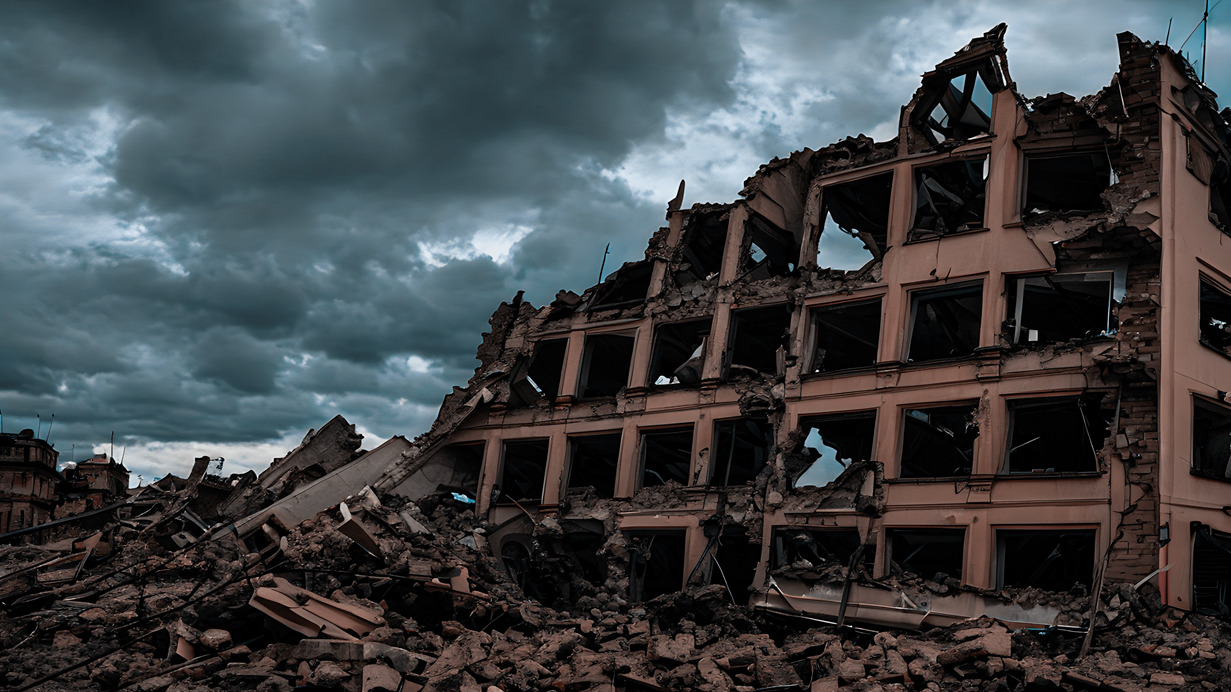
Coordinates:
28 480
1024 386
90 484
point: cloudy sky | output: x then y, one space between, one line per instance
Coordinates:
223 223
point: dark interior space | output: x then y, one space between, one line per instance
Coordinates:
592 462
1060 307
655 564
846 336
927 552
666 455
465 467
860 208
834 442
1215 317
1211 571
527 573
1049 560
584 539
741 449
957 107
945 322
772 251
1064 183
539 377
606 363
939 441
735 566
1055 435
679 355
705 239
1220 195
629 285
522 471
757 334
817 546
949 198
1211 439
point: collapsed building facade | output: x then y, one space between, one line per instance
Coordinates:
1024 386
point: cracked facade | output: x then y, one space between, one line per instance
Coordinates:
1025 385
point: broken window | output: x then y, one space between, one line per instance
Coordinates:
1052 560
1059 307
927 552
734 565
584 539
1220 195
845 336
834 443
666 455
1211 439
772 251
794 546
656 563
1055 435
1067 182
463 463
522 471
741 449
540 376
1211 571
757 336
627 286
939 441
592 462
860 209
949 198
1215 317
958 107
705 239
605 364
945 322
679 352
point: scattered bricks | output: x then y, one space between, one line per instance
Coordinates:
990 644
713 675
379 678
328 674
215 639
774 671
676 649
1166 679
850 671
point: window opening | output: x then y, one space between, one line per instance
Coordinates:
939 441
957 108
584 539
734 565
1211 571
833 443
1211 439
793 547
606 364
628 285
1059 307
463 465
741 450
705 239
523 471
656 563
1055 435
771 250
1220 195
945 322
1052 560
592 463
1066 183
846 336
860 209
930 553
539 376
666 455
757 335
949 198
1215 317
679 352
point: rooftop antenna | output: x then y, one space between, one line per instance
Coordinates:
39 431
113 445
123 454
74 453
1167 41
49 427
604 264
1 421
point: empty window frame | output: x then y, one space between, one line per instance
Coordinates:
656 563
949 198
522 471
540 378
1052 560
605 364
666 455
1059 307
757 334
793 547
741 450
1215 317
772 251
679 352
1055 434
1065 182
845 336
1211 439
627 286
957 107
463 464
593 460
860 209
705 239
939 441
833 443
1211 571
945 322
928 553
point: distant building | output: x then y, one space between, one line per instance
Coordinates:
28 480
92 484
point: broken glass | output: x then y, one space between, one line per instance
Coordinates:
1050 560
860 209
666 455
1215 317
606 364
846 336
757 334
1055 435
741 450
927 552
1066 183
592 462
541 377
1211 439
949 198
679 352
522 471
945 322
835 442
1060 307
939 441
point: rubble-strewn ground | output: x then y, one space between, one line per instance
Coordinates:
453 620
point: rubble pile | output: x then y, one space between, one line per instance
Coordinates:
403 596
